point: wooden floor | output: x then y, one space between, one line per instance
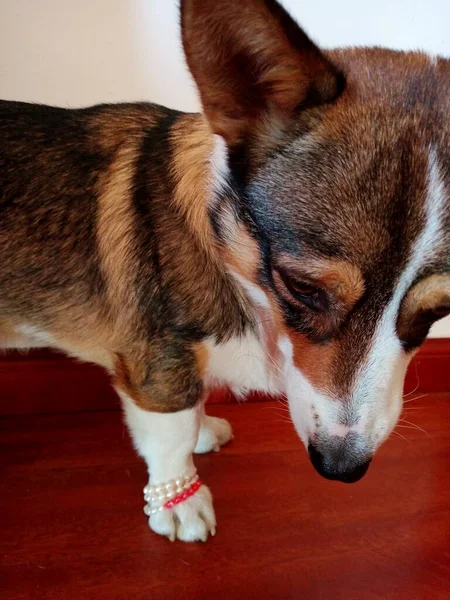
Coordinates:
72 525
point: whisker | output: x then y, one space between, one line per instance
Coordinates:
415 429
276 408
413 399
281 399
262 322
284 411
401 436
417 384
283 421
410 425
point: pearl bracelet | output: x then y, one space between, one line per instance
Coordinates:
166 495
165 491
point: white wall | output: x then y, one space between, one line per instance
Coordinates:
80 52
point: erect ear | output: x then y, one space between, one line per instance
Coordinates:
252 64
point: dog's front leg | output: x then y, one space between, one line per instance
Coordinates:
166 441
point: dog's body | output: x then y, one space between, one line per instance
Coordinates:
293 240
119 263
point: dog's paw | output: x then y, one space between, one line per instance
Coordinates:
190 521
214 432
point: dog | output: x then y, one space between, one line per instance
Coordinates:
292 239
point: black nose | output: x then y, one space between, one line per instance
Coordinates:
340 470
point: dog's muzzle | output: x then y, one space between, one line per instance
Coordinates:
338 460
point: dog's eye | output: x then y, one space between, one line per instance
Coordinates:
308 294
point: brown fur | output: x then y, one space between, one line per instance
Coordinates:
193 148
430 294
278 69
201 354
241 253
115 235
316 363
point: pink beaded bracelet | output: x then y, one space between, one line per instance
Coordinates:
184 496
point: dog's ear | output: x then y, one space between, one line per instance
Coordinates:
252 64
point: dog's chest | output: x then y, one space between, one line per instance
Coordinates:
244 363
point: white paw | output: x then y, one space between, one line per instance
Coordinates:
190 521
214 432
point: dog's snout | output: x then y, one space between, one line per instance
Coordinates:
338 466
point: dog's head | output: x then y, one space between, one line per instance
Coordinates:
338 222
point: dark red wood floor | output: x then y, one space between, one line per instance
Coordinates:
72 525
